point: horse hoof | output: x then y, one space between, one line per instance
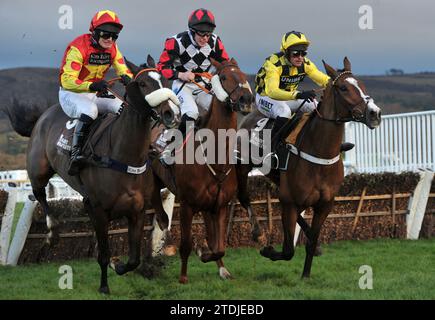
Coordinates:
267 251
104 290
225 274
183 279
117 265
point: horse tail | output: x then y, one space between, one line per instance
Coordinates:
23 118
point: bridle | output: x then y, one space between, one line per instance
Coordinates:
235 105
149 111
357 117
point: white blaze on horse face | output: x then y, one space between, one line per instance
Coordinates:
246 86
174 108
156 76
368 100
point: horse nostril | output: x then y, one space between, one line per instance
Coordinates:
168 116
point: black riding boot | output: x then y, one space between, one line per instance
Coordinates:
81 131
183 124
346 146
278 134
166 154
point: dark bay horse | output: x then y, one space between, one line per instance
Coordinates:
108 194
209 187
306 183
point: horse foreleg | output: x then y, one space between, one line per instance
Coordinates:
319 217
245 201
307 230
39 174
156 201
101 225
162 242
288 218
186 216
135 232
209 256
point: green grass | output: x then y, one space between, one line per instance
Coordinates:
402 269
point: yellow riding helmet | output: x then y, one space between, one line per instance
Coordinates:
293 38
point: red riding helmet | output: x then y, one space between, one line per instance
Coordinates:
108 18
202 20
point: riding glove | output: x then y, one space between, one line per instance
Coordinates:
306 95
125 80
99 86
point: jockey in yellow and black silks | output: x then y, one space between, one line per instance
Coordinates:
278 79
85 63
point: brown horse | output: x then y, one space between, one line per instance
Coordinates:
209 187
313 182
108 194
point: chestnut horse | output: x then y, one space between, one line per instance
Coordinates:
306 183
209 187
108 194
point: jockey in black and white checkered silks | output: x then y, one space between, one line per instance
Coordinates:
187 53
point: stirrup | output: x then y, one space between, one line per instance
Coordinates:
74 167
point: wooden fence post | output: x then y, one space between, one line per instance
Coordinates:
359 209
269 217
393 212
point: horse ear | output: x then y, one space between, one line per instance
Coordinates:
233 61
346 63
216 63
151 62
134 95
133 68
330 71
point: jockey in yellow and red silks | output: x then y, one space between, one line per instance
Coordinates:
85 63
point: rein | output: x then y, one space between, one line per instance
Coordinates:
209 76
112 81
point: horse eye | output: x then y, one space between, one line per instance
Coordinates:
223 78
142 84
343 88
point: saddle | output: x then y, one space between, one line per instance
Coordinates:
292 130
95 138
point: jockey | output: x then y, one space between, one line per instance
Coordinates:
187 53
278 79
85 62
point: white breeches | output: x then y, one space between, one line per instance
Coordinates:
191 96
74 104
274 108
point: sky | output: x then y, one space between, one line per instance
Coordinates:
376 35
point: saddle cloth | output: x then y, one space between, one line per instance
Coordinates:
98 127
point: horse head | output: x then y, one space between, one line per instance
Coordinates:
351 93
231 86
149 90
